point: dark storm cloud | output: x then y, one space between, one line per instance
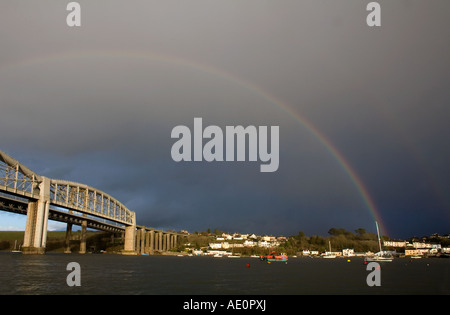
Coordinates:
97 105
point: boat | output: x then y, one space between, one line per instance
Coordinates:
381 255
15 250
328 255
273 256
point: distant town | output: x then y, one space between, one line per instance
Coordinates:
339 243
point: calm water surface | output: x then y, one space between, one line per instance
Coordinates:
117 274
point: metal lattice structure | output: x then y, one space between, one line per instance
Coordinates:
18 179
88 200
15 178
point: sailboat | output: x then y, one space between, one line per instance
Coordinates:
381 255
329 254
15 250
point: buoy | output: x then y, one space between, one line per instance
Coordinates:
348 260
248 265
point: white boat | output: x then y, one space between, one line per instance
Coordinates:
381 255
328 255
15 250
217 255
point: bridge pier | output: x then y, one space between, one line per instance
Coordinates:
174 241
130 246
164 242
151 242
35 237
167 242
157 236
130 238
68 237
83 236
147 243
137 241
142 247
140 241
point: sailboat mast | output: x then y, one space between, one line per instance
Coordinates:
378 233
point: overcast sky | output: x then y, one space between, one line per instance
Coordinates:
96 104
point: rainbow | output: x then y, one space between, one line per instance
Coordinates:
316 133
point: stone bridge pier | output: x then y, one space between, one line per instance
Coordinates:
130 240
35 236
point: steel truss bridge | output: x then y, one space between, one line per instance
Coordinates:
41 199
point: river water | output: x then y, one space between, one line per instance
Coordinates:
109 274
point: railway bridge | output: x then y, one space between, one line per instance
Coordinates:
41 199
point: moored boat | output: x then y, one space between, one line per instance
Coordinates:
329 254
273 256
15 250
381 255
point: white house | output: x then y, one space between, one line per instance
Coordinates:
394 243
215 245
248 243
237 237
263 244
348 252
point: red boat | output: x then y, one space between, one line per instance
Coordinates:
273 256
